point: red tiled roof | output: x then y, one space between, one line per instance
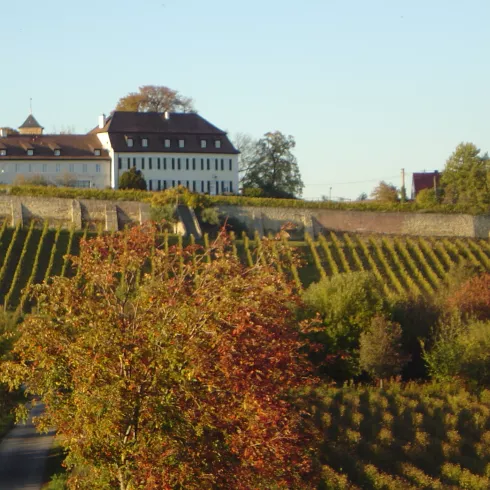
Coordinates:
72 146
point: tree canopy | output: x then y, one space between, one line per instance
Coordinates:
385 192
174 372
273 168
132 179
155 98
466 176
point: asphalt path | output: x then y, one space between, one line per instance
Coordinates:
23 454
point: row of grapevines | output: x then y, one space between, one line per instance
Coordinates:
314 254
68 252
386 266
8 254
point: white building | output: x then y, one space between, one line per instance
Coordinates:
169 148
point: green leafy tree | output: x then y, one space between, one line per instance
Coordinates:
385 192
346 304
155 98
132 179
274 168
465 178
182 377
381 349
427 198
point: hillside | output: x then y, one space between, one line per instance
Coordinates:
404 264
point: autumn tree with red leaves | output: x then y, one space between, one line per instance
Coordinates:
177 372
472 298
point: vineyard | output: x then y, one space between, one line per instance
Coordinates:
405 437
413 265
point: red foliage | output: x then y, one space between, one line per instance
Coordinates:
472 298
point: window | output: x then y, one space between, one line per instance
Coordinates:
202 185
129 163
202 163
129 142
215 164
231 165
193 164
144 142
231 186
217 144
222 164
134 161
45 167
187 184
119 163
223 186
217 187
159 185
178 182
97 168
209 187
97 153
57 153
187 164
150 182
3 153
167 143
173 183
84 168
82 183
58 167
72 168
164 164
208 163
143 163
30 153
181 143
159 162
203 143
178 163
150 163
164 184
30 167
194 186
173 163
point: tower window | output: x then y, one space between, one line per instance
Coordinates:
144 142
130 142
181 143
167 143
217 144
203 143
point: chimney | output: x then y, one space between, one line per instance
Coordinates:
101 121
167 115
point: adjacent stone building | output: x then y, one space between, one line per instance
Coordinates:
170 149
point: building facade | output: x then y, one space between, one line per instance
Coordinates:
170 149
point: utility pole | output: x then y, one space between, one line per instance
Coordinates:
403 191
330 194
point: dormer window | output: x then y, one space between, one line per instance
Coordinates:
203 143
57 153
97 153
30 153
3 153
167 143
217 144
144 142
129 142
181 143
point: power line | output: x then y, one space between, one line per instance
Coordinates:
356 182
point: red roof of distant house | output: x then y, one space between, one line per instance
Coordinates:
424 180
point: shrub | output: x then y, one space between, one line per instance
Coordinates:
461 350
346 303
132 179
181 195
427 198
210 216
380 349
472 298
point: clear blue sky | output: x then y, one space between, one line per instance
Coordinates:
365 87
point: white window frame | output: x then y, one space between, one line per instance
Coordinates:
72 168
203 144
3 153
97 153
57 153
217 144
167 143
30 153
84 168
181 143
97 168
58 167
129 142
144 142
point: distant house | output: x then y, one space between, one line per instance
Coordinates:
424 180
170 149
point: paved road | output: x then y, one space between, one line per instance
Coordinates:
23 455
